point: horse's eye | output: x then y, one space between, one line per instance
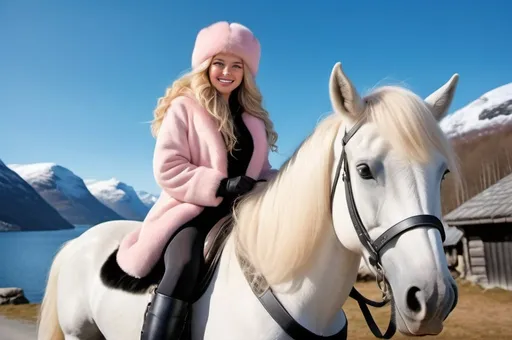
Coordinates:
444 175
364 171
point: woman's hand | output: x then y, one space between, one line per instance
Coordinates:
235 186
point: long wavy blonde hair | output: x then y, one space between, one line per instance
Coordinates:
197 83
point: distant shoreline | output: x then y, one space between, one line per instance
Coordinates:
6 228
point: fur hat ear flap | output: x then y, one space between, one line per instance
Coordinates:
223 37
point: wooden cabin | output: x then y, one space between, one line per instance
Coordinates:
486 221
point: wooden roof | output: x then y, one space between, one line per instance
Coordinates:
493 205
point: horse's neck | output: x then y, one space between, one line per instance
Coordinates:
316 302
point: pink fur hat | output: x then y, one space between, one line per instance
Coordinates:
228 38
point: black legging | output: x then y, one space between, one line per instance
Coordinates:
183 257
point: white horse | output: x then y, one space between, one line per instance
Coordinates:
296 239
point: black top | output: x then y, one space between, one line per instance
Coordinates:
240 156
238 162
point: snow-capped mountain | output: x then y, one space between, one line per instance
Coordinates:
147 198
66 192
22 208
493 110
119 197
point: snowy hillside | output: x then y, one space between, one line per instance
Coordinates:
66 192
119 197
23 208
147 198
492 110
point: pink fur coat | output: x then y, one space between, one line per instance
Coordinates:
189 162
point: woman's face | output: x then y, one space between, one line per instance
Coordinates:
226 73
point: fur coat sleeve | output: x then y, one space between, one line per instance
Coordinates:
172 165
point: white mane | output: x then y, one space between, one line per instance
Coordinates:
278 228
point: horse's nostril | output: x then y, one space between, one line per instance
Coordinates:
412 299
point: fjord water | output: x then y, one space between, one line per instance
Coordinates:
26 256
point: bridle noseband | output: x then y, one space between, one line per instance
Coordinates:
375 248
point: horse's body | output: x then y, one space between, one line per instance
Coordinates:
308 254
86 306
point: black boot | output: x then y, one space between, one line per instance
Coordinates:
165 318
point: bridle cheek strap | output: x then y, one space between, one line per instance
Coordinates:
375 248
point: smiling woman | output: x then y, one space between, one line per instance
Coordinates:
226 73
213 139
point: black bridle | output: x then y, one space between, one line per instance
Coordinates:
375 248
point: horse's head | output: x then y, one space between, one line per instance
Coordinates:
388 192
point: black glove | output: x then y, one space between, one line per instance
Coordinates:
235 186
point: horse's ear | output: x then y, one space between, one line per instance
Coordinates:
344 97
441 99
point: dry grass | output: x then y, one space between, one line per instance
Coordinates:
480 314
26 312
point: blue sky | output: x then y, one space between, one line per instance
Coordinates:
79 80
